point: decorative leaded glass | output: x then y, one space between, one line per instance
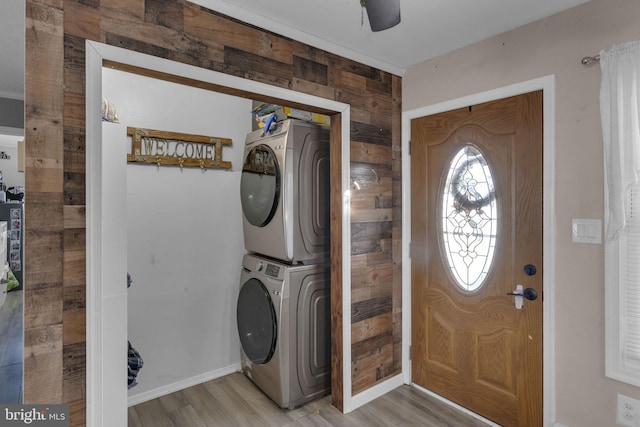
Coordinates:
469 218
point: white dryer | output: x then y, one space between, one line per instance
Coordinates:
283 316
284 190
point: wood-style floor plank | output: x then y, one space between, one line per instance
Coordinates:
11 344
234 401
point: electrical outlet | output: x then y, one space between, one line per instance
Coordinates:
628 411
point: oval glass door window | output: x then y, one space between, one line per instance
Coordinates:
257 323
260 185
469 218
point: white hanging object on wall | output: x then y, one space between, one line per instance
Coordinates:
109 113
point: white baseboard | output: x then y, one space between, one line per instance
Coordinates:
181 385
559 425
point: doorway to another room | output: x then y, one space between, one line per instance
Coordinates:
11 264
464 159
477 211
106 236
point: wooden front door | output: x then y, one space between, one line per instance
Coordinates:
476 234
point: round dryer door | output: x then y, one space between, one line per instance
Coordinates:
256 321
260 185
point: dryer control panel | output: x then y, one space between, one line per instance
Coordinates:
272 270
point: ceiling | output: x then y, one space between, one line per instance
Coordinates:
12 50
429 28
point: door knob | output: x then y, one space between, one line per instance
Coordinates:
529 293
520 294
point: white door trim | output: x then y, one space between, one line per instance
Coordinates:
106 265
547 85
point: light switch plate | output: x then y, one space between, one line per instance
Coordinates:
586 230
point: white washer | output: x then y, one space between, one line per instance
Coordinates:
283 317
284 191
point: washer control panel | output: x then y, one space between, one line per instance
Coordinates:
272 270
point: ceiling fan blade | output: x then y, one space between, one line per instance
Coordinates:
383 14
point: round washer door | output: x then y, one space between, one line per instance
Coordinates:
257 323
260 185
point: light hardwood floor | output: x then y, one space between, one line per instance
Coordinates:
234 401
11 348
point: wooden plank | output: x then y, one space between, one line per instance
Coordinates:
381 111
371 327
74 362
74 239
367 196
336 214
43 305
74 108
267 70
74 268
300 85
43 364
360 114
74 326
382 256
74 188
43 258
160 41
44 210
383 86
372 215
366 276
212 87
372 290
74 262
368 231
74 216
313 54
362 310
370 153
310 70
74 149
74 395
375 366
206 25
83 20
44 96
74 64
164 13
371 133
74 297
343 64
133 8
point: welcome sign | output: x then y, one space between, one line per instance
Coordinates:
164 148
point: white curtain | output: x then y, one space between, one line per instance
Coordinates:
620 109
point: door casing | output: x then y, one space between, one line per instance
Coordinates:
106 399
547 85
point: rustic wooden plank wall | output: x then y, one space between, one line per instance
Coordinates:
55 303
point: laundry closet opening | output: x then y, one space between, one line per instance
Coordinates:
186 254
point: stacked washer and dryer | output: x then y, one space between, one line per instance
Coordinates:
283 307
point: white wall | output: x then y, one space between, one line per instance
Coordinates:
554 46
9 167
184 237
